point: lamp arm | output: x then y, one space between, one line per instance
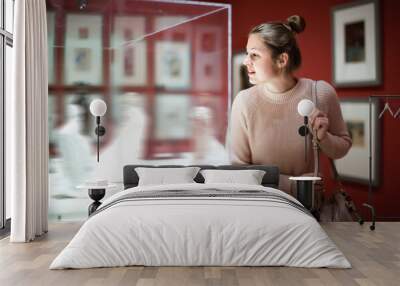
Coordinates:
98 137
99 131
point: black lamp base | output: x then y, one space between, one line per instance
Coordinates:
304 193
96 195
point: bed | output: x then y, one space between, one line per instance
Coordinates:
201 224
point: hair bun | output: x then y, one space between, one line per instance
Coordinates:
296 23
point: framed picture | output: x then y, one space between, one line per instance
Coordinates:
208 61
356 44
172 116
240 77
129 51
83 61
354 166
172 65
173 28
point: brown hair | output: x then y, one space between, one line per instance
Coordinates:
280 38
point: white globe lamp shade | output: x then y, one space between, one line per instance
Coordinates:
98 107
305 107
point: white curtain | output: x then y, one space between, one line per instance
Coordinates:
26 123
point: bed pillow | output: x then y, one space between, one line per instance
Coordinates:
162 176
248 177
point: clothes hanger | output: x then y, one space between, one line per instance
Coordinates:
386 107
397 113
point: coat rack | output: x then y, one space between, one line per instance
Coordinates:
387 108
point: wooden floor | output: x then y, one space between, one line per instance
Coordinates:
375 257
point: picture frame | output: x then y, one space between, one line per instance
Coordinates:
208 61
83 60
354 167
239 73
172 64
173 28
356 44
172 116
129 51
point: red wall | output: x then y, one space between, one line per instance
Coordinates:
315 44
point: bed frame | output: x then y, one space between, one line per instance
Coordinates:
270 179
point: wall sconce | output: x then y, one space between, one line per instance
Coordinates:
98 108
305 108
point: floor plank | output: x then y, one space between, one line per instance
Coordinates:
375 257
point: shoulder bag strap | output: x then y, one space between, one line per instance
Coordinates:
315 142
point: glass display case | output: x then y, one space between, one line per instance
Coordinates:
163 68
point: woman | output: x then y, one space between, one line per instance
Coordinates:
264 119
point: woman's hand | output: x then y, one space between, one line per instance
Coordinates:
319 123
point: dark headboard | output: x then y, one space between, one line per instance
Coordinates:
271 177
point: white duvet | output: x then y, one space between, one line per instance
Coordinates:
200 231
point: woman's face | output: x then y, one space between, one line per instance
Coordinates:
260 66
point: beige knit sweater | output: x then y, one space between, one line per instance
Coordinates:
264 128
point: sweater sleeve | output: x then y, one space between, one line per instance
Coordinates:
337 141
239 143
